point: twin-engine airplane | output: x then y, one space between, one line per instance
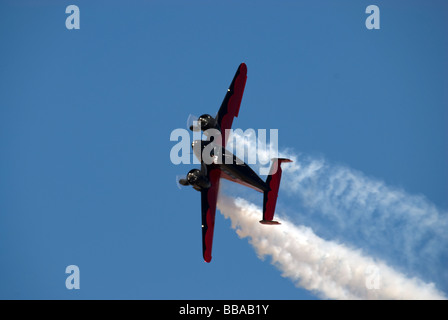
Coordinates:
206 180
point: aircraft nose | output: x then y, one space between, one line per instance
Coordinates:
195 144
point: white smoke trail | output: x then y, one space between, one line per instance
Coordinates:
324 267
338 202
407 230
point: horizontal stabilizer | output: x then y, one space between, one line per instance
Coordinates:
269 222
270 196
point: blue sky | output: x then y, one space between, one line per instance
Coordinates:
86 116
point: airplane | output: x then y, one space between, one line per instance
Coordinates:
207 179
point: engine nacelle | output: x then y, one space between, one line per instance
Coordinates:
206 122
198 180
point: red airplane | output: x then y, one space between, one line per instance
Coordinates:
206 180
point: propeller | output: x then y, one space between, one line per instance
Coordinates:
181 180
192 123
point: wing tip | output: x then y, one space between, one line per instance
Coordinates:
243 67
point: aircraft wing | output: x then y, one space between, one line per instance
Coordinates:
209 198
232 101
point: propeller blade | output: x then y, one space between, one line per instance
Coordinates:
181 181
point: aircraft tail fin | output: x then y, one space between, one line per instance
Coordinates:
270 196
